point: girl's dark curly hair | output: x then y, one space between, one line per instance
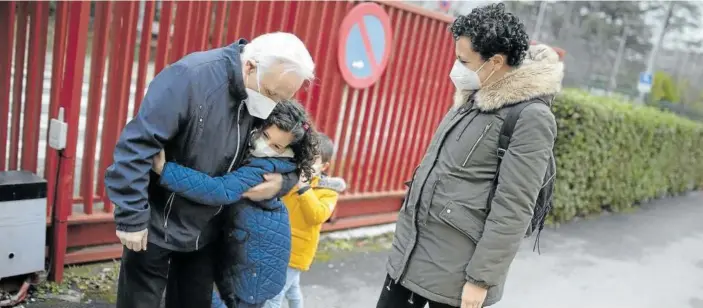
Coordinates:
290 116
493 31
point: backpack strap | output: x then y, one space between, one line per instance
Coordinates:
506 132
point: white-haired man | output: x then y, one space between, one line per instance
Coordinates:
201 110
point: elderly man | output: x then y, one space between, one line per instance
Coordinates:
200 110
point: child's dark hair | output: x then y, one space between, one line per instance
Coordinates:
326 147
290 116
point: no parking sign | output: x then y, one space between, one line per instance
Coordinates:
365 43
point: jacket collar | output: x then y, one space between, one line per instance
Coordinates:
333 183
539 75
236 79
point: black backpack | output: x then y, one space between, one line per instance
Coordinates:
544 199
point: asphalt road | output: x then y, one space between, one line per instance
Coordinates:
650 258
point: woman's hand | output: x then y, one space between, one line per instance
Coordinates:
159 162
472 296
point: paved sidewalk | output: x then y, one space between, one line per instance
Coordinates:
650 258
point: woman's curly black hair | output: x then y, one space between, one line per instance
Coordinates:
493 31
290 116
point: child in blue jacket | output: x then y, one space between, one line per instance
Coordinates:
252 267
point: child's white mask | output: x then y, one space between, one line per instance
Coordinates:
261 148
317 169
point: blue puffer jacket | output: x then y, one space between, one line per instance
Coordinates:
253 266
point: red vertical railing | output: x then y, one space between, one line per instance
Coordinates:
38 27
162 48
376 159
57 65
7 34
144 52
218 27
421 73
395 67
79 16
127 47
97 71
400 106
20 46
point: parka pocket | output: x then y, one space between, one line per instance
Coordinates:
478 141
469 222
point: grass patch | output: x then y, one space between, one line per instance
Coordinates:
331 249
97 282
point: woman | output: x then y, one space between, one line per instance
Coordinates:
449 249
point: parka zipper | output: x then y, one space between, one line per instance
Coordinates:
231 165
473 148
167 212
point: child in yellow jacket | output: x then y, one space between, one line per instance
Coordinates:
310 204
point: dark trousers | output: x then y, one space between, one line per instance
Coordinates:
186 276
395 295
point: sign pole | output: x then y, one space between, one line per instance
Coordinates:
655 48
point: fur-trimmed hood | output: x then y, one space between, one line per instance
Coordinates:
540 74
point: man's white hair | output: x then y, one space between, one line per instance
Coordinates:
280 47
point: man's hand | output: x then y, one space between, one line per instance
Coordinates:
472 296
133 240
265 190
159 162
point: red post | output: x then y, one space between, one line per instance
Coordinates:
181 31
97 72
7 34
237 12
162 46
220 11
79 15
128 44
144 48
39 21
111 108
59 53
21 44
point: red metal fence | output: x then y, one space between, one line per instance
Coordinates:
97 67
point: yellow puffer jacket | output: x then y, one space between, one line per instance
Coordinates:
308 211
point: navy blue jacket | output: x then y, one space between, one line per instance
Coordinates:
253 268
193 109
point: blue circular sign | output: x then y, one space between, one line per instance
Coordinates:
365 43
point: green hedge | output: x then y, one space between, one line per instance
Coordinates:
613 154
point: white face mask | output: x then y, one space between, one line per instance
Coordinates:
317 169
261 148
259 105
464 78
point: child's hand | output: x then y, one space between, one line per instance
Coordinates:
159 162
303 182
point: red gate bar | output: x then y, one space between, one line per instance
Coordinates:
7 34
39 22
21 41
97 72
79 15
59 53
